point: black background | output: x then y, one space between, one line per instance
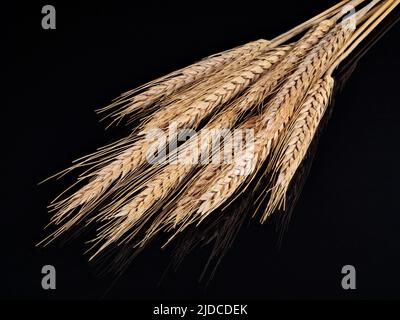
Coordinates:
349 209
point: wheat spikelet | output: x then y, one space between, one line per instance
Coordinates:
272 122
297 140
167 85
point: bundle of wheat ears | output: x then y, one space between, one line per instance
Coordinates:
275 91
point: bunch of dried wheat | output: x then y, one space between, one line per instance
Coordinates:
278 89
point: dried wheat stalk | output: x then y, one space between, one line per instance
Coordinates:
280 92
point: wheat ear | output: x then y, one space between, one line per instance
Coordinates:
298 138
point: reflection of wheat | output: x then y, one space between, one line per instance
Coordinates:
278 88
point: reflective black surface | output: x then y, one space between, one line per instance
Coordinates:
348 210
